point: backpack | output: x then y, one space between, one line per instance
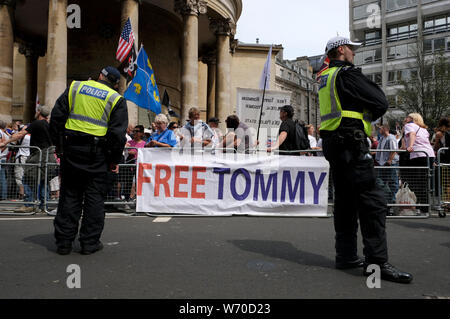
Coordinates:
301 137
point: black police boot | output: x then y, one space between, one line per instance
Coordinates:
88 250
390 273
348 263
64 249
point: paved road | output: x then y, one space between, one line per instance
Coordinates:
199 257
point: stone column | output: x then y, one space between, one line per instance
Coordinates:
32 53
190 10
56 81
6 57
210 61
130 9
223 28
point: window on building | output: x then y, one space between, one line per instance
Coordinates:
427 45
358 58
392 5
378 79
439 44
412 49
369 56
377 55
402 31
447 45
440 23
401 51
429 23
391 53
361 12
372 37
391 76
403 28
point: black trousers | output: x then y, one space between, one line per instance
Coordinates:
82 194
356 197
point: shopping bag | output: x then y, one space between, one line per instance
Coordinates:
406 196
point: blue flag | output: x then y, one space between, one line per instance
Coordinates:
143 90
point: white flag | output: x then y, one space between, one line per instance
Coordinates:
38 103
264 83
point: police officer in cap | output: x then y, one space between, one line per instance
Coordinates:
349 102
88 125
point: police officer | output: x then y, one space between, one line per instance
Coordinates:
348 103
88 125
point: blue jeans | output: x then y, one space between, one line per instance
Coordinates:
389 178
3 183
30 194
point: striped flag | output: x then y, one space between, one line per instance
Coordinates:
126 42
324 67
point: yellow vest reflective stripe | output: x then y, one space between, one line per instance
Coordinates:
330 105
90 106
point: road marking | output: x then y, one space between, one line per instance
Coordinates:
162 219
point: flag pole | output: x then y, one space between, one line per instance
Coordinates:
262 106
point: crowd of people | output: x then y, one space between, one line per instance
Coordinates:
412 144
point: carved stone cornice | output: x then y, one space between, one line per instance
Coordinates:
222 26
233 45
191 7
210 58
31 50
9 3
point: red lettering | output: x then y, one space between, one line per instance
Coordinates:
141 178
197 181
162 181
180 181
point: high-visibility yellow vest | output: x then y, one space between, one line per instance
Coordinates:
91 104
331 111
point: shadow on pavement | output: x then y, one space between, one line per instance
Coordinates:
283 250
45 240
414 224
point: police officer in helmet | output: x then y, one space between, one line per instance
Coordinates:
88 125
349 102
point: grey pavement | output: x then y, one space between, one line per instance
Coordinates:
218 258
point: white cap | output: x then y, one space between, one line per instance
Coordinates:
337 42
147 131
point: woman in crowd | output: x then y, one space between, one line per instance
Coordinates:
129 176
162 137
417 143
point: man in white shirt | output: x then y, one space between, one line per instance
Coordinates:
21 158
385 158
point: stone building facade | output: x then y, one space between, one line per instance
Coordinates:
190 44
297 76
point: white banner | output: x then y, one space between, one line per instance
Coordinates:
248 108
231 184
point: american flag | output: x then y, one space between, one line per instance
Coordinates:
324 67
126 42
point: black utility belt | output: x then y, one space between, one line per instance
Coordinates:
84 140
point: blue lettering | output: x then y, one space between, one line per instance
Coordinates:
316 186
299 184
271 182
248 182
221 172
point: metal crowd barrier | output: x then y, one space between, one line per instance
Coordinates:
122 193
20 183
443 177
420 180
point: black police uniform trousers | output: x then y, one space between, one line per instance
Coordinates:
82 193
356 197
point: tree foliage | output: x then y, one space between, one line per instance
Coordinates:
427 92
